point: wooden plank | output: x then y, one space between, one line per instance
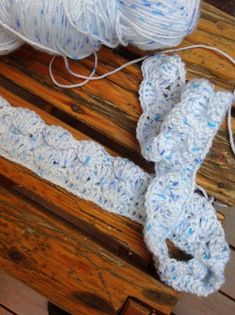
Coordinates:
19 298
111 107
67 267
215 304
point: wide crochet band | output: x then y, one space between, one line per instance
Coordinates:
175 131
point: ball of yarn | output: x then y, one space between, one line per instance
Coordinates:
78 28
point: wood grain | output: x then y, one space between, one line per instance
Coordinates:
67 267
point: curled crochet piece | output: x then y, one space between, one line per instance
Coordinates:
175 132
177 138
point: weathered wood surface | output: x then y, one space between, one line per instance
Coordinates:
106 111
66 266
19 299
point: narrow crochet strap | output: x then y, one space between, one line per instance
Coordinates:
165 203
175 131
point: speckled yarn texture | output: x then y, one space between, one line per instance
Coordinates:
78 28
175 131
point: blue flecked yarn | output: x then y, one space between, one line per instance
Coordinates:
78 28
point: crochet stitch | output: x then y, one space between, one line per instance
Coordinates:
175 131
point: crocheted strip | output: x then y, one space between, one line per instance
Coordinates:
82 167
177 115
160 90
188 130
177 141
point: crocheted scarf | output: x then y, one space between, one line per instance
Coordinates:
175 131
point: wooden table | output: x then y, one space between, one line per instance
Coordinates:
79 256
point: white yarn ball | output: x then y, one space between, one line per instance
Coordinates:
77 28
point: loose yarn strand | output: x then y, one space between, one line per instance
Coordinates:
71 86
110 72
91 77
217 50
